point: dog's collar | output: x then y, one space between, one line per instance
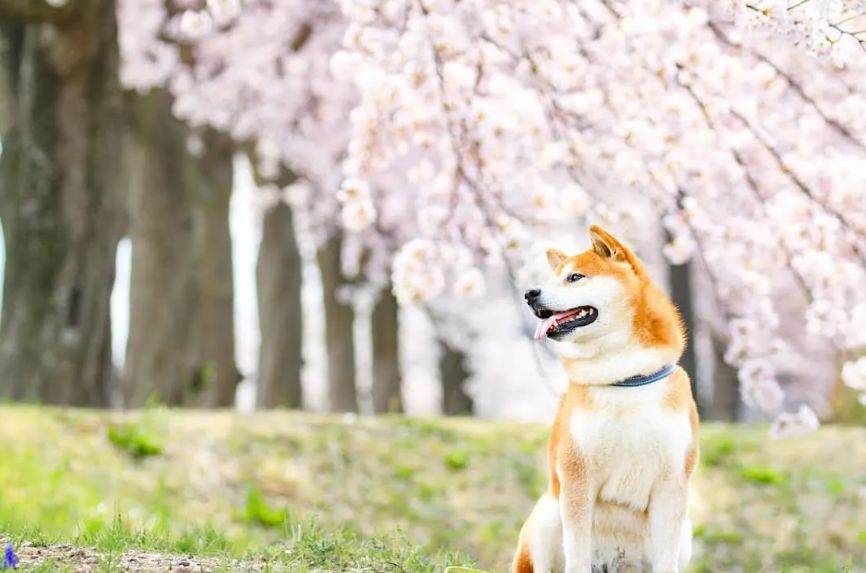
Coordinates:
644 379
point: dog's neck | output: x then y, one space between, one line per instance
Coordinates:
612 358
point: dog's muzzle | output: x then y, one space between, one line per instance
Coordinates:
557 323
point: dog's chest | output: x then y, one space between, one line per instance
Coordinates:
628 441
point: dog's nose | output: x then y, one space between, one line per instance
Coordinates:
531 295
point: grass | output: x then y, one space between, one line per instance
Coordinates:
135 439
763 474
311 493
259 512
302 548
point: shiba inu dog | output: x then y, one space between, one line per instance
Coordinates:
624 443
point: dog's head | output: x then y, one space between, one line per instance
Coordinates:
602 291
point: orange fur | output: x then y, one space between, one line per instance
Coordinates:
694 452
679 398
575 397
553 485
573 468
522 561
679 394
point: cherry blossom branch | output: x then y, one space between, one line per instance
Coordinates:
797 5
557 116
613 11
750 181
797 87
455 141
794 84
788 171
855 35
837 26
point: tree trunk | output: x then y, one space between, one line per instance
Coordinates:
339 334
215 373
681 293
453 373
384 324
181 327
845 405
61 204
725 405
278 281
160 313
11 39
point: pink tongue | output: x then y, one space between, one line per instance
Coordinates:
544 325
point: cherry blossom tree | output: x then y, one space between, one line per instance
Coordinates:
749 147
448 138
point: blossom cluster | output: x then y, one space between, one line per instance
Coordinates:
258 71
832 29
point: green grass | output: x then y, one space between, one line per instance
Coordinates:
258 511
324 494
302 548
763 474
135 439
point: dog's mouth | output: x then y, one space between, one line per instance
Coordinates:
557 324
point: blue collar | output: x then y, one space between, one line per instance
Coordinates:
643 380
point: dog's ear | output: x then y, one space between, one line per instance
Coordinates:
555 257
606 245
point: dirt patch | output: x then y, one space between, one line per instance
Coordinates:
68 558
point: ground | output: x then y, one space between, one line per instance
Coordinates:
161 490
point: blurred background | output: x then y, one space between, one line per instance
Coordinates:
336 207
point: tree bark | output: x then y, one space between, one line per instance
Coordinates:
725 405
681 293
386 354
41 11
61 204
453 373
160 313
278 282
181 333
339 333
215 373
11 40
845 406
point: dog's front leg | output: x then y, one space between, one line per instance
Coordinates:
576 506
667 512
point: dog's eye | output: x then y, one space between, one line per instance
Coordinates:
573 277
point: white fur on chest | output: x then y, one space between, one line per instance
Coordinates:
629 440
